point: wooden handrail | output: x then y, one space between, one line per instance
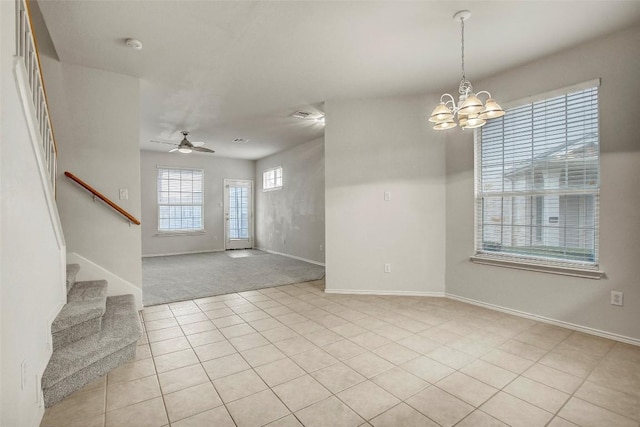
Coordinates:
100 196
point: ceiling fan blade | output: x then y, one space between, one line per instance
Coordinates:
163 142
173 150
202 150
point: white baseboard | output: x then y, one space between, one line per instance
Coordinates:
182 253
384 293
292 256
89 270
543 319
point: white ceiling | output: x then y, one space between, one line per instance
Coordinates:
238 69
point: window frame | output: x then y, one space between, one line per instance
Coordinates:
275 187
523 262
179 231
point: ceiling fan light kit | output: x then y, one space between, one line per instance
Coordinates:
469 112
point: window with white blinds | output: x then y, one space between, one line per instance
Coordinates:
180 200
538 183
272 179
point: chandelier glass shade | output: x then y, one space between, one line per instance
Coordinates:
469 112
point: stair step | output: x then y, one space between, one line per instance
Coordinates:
77 364
72 272
82 315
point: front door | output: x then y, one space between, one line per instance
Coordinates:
238 214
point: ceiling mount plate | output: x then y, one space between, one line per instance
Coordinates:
134 44
462 15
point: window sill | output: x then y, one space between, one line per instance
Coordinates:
179 233
264 190
585 272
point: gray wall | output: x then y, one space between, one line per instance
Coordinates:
579 301
216 169
291 220
373 146
96 121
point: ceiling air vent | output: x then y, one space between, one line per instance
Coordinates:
240 140
301 114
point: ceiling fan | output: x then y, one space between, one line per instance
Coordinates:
186 146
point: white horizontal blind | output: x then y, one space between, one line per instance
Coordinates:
538 182
180 199
272 179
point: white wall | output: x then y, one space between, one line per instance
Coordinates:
96 121
31 258
291 221
583 302
373 146
216 169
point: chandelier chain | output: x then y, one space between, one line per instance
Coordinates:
462 47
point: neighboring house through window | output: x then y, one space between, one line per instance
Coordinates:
272 179
538 182
180 199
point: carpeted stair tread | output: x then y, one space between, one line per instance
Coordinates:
72 272
80 362
85 302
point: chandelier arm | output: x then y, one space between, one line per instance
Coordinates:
451 99
483 91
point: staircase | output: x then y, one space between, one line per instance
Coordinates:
92 335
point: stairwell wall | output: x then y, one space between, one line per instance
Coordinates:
96 120
32 288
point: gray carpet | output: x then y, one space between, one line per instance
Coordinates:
182 277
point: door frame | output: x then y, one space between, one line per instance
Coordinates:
225 212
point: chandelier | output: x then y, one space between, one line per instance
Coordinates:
469 112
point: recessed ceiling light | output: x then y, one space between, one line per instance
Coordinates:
134 44
240 140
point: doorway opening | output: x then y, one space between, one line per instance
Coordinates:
238 214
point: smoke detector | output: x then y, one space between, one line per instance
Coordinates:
240 140
134 44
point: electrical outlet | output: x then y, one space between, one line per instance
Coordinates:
617 298
387 268
124 194
321 248
387 196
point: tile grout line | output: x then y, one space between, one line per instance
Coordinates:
355 304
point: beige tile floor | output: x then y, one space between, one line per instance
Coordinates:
293 355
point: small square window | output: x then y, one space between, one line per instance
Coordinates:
272 179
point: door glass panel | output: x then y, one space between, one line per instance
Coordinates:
238 212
